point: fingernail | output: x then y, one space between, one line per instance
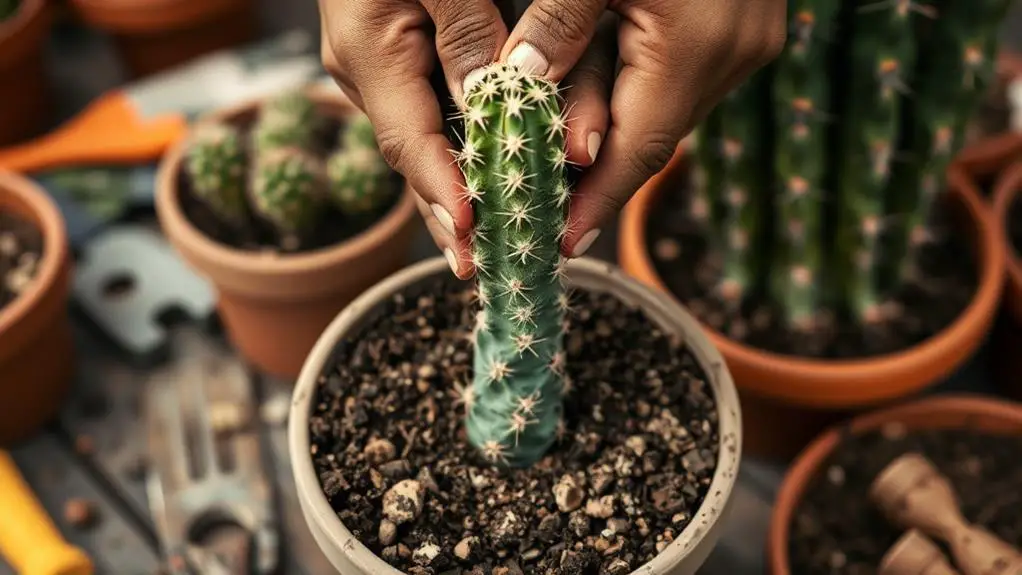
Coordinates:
444 217
585 243
473 78
593 143
452 260
527 58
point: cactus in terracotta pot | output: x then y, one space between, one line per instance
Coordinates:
514 164
359 180
286 189
816 180
288 119
215 162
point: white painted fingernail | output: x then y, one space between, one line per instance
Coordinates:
473 78
585 243
593 144
452 260
527 58
444 217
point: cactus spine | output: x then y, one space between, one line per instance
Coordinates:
514 164
215 161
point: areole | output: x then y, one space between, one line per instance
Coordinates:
691 547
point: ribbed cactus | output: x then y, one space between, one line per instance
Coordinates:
286 189
514 164
288 120
359 180
215 163
868 103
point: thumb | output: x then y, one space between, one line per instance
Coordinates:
469 34
552 35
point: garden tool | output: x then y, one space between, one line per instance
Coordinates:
912 493
206 459
915 554
136 123
28 539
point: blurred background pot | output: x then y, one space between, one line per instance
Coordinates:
1006 352
25 98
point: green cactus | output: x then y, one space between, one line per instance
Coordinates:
276 130
514 164
287 189
215 163
8 8
358 132
360 180
867 105
292 104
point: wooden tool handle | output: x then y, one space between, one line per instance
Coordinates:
28 539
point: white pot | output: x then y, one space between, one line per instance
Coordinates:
682 557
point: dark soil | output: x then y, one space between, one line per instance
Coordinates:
838 531
682 258
21 249
641 447
332 228
1015 225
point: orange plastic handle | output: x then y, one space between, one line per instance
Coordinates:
29 540
107 131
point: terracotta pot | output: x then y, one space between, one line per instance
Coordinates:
683 556
1007 340
25 97
275 306
944 412
154 35
786 400
36 345
986 157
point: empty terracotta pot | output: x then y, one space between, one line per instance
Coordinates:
787 400
25 98
1006 343
274 306
944 412
36 345
153 35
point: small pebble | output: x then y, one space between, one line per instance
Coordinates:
601 508
567 494
426 553
466 547
403 502
379 451
388 532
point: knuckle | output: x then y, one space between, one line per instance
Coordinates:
652 154
461 32
775 37
562 20
393 145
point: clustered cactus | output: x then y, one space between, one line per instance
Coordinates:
816 180
280 176
514 163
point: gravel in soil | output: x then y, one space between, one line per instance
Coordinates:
633 464
21 250
682 258
332 226
838 531
1015 226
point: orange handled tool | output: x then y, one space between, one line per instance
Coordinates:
28 539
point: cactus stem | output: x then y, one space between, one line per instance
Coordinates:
525 248
464 395
528 404
499 371
494 451
523 315
514 180
514 144
518 424
558 362
473 191
518 215
524 342
514 287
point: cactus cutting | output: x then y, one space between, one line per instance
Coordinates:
514 164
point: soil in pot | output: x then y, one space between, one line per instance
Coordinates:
633 464
689 268
330 224
21 249
837 530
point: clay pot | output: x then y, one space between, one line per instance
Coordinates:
943 412
986 157
683 556
153 35
36 345
787 400
275 306
25 98
1007 340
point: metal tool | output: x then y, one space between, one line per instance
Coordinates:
206 463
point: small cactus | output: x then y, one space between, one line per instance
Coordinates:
291 104
286 190
359 180
358 132
514 164
215 163
288 120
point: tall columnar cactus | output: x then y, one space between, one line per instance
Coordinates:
868 104
215 163
514 162
286 189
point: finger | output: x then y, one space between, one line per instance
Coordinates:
455 250
552 35
469 35
588 94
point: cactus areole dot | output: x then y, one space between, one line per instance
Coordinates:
514 164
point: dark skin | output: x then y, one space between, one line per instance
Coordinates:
678 59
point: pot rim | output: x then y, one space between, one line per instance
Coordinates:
1006 192
584 272
839 382
208 253
808 463
131 16
55 247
